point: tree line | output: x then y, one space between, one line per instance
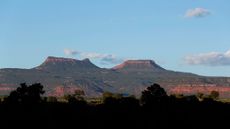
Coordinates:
155 109
33 94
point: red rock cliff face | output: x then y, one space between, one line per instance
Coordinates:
132 76
61 91
56 60
138 64
188 90
6 88
58 63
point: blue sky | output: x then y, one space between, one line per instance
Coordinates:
181 35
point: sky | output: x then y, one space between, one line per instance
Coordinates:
180 35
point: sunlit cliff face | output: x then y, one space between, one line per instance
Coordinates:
51 59
59 63
138 64
223 90
64 75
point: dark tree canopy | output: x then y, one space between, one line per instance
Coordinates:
158 110
214 95
153 94
27 94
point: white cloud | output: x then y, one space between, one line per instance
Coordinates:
209 59
92 55
103 58
111 59
70 52
197 12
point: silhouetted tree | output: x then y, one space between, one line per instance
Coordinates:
129 102
214 95
111 102
26 94
200 95
79 94
72 100
153 94
191 99
76 98
107 95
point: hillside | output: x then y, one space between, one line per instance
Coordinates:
64 75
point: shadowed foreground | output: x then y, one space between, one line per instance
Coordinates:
26 108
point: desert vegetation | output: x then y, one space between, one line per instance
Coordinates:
154 109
